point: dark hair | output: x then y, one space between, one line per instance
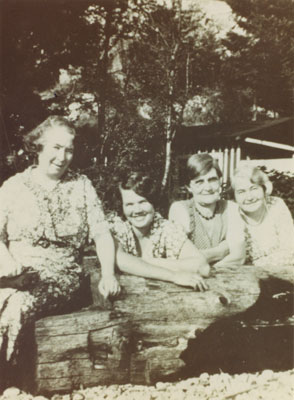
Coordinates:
32 139
201 164
141 184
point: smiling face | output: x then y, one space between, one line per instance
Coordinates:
206 188
138 210
250 196
57 151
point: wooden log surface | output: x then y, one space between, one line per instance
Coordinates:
139 337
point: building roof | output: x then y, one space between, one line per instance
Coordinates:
207 137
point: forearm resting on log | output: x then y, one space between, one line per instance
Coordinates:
137 266
105 251
196 265
216 253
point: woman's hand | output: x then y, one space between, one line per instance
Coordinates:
109 286
191 280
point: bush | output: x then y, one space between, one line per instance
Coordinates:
283 183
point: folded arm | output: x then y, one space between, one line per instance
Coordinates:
148 269
190 260
216 253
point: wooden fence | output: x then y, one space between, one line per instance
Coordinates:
229 159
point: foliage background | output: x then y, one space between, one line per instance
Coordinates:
128 73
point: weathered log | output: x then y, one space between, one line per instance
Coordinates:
140 338
285 272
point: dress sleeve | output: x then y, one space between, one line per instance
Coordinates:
282 251
123 234
235 236
175 238
284 226
179 214
95 215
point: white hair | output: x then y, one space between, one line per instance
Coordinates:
255 175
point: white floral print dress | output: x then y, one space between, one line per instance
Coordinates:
166 238
271 242
45 230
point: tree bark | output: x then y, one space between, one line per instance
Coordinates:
139 337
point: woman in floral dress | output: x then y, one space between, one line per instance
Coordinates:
47 215
264 220
149 245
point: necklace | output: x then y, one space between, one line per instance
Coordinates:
203 216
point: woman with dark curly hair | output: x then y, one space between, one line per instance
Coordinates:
47 214
149 245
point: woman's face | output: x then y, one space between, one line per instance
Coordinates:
206 188
137 209
249 196
57 151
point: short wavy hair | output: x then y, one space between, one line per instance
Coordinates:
254 174
142 184
32 140
201 164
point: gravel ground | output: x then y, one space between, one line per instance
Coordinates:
266 385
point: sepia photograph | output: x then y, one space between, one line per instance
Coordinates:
146 199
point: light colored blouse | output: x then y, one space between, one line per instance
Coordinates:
45 230
270 243
198 232
48 228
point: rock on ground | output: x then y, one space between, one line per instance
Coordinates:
265 385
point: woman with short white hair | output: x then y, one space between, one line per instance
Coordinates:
265 220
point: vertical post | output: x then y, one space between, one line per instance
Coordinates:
221 160
238 155
232 162
226 164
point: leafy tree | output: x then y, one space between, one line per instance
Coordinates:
261 60
174 58
33 50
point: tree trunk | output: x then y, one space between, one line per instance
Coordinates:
140 337
168 150
169 122
103 88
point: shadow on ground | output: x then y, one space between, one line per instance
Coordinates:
258 339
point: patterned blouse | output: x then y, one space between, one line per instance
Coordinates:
198 232
271 242
45 230
166 238
49 227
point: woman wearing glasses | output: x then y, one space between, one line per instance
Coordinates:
205 216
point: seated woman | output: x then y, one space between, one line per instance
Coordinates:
47 215
264 221
204 217
149 245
